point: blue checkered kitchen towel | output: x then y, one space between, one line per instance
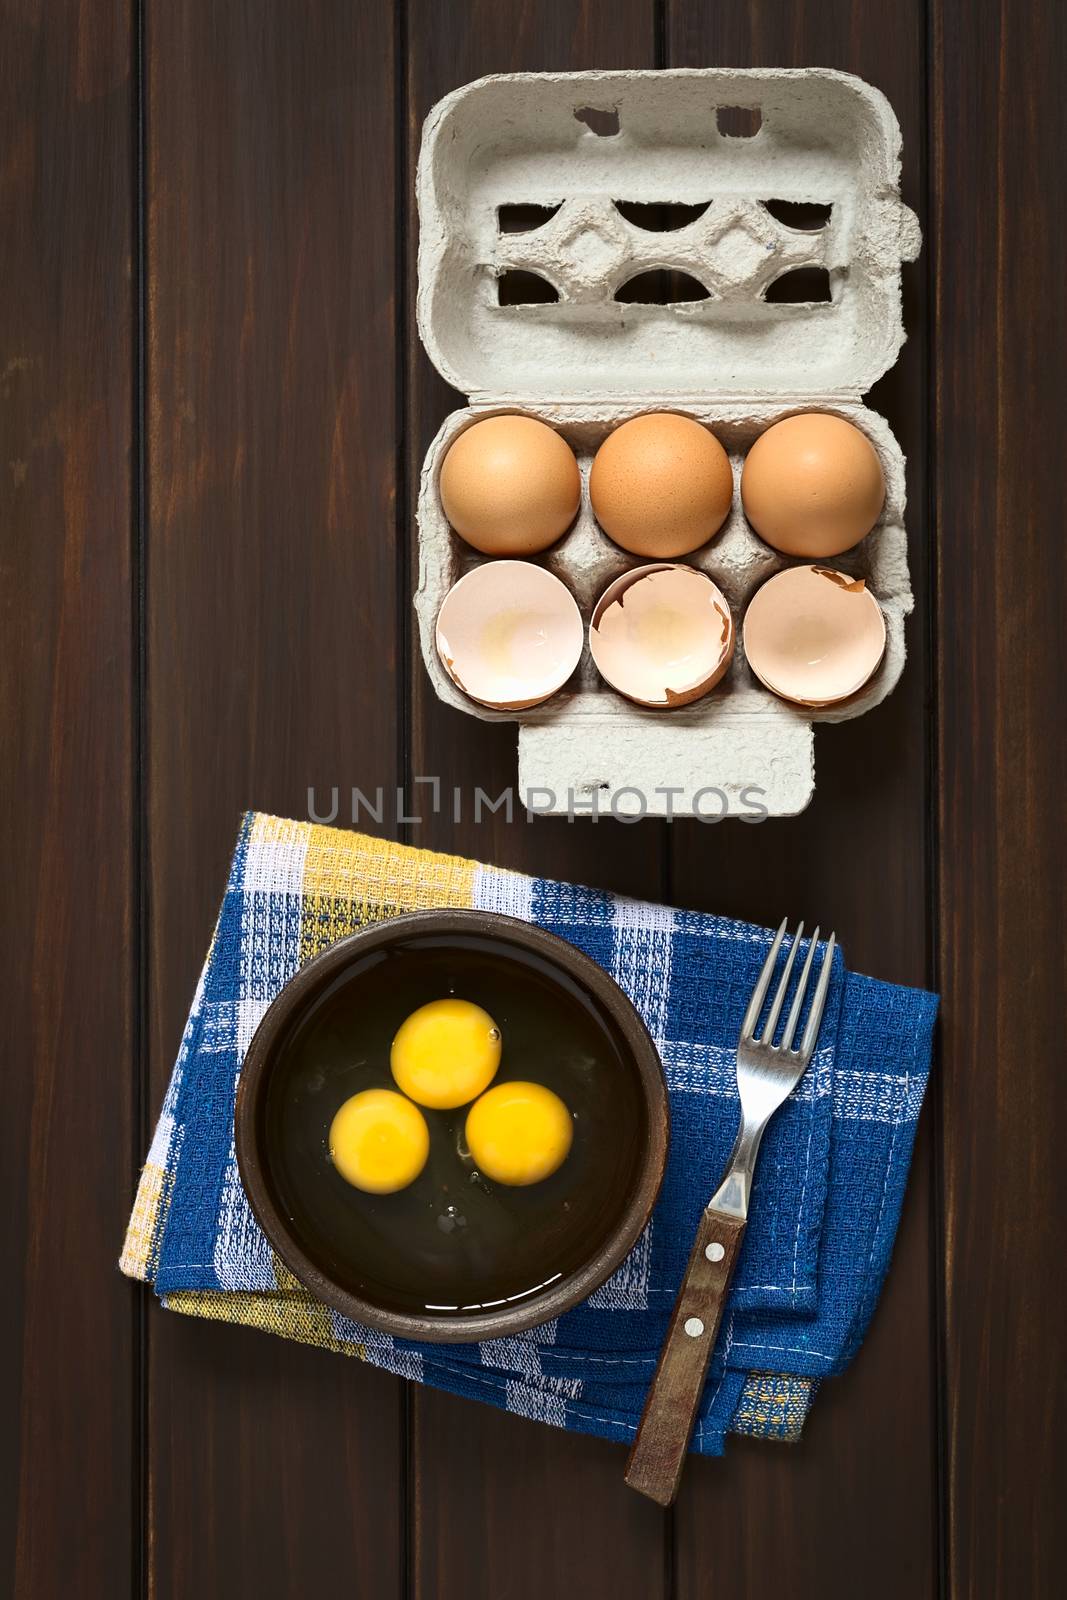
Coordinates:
827 1194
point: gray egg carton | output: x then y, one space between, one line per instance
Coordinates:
586 362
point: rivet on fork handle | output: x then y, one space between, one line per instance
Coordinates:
654 1467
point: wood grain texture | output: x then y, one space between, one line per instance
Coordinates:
1000 143
271 595
657 1458
67 709
289 407
859 1493
501 1506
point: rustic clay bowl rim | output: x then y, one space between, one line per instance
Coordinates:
634 1208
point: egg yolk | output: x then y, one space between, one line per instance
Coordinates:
445 1053
519 1133
379 1141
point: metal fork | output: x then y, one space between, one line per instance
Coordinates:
767 1072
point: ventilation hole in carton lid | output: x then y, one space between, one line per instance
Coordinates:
804 286
806 216
524 218
657 218
603 121
738 122
662 286
516 288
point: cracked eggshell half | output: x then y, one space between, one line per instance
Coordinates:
509 634
662 635
814 636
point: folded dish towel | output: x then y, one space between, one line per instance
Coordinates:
828 1187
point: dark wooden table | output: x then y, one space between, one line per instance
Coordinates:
214 408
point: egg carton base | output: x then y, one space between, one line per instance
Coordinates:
746 767
592 741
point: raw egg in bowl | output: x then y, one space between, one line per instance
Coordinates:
451 1126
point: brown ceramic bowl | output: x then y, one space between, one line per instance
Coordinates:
632 1117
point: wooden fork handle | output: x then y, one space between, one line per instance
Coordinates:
654 1466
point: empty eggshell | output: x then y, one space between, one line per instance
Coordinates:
662 635
509 634
510 486
813 635
812 485
661 485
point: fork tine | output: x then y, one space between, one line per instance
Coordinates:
811 1032
798 999
780 993
759 993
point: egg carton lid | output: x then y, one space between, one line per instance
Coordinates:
566 147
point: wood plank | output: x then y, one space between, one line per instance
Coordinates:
858 1494
1000 144
67 794
273 1470
502 1505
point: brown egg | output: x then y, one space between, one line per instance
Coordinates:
510 486
662 635
661 485
814 635
812 485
